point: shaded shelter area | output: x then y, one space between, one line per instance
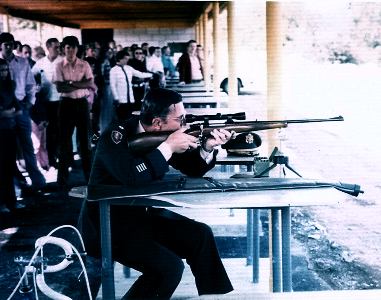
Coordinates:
108 14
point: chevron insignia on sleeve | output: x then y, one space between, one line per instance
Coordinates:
141 167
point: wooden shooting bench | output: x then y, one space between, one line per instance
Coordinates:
276 194
197 94
204 102
190 88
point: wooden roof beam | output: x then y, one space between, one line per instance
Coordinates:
40 18
124 24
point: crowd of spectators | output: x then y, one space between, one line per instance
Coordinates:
49 93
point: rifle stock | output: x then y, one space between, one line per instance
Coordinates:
147 141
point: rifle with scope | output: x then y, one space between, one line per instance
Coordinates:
147 141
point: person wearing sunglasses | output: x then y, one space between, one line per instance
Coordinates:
151 240
138 62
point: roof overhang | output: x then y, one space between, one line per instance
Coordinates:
108 14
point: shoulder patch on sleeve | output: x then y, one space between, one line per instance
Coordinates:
116 136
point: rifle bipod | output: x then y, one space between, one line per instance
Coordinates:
277 158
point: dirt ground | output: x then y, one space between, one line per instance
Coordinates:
344 241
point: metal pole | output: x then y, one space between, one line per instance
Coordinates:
276 252
256 245
286 249
108 288
249 237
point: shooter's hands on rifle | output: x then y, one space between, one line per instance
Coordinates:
218 137
180 142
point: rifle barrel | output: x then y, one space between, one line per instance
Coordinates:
335 119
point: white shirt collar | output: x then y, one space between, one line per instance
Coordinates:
140 128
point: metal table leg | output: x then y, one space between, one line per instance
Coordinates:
249 237
255 246
276 252
286 249
108 288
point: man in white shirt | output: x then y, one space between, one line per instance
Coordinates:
121 87
45 67
154 62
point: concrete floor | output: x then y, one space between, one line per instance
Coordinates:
240 275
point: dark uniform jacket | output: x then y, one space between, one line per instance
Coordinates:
114 164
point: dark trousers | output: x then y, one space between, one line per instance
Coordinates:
24 135
7 167
73 113
139 93
52 131
157 251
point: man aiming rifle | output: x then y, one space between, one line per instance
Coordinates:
151 240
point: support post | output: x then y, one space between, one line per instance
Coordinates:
232 86
216 49
274 67
206 65
197 30
276 252
39 32
286 252
201 26
256 245
249 237
108 288
6 27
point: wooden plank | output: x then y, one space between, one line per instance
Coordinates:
208 102
190 89
120 24
196 94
